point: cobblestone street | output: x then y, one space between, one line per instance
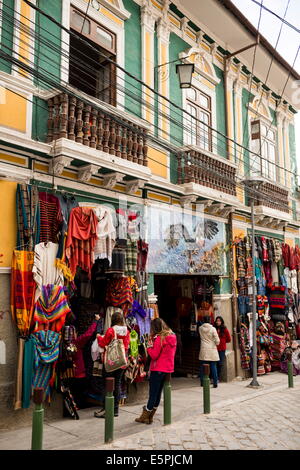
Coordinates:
270 422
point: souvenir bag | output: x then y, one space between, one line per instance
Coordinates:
115 356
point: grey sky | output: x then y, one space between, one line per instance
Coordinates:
270 26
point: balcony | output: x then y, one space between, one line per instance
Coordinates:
273 197
205 169
70 118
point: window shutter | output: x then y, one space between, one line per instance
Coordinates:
255 130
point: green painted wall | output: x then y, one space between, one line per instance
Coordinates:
219 141
262 233
293 157
133 58
294 209
223 286
48 47
39 119
177 45
7 18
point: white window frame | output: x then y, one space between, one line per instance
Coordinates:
254 159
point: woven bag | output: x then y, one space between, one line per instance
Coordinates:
115 356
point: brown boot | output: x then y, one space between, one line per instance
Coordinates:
144 418
152 413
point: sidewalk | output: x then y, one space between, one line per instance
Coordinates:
88 432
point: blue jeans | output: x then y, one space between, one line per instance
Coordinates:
156 384
220 362
213 370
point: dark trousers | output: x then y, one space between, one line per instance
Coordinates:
213 370
117 375
156 384
220 362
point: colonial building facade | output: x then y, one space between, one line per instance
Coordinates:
73 120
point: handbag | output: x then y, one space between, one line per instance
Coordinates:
115 355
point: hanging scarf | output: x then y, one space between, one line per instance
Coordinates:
45 355
28 216
51 308
81 239
22 290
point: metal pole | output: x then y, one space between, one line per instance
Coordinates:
37 420
109 410
206 390
254 382
167 400
290 371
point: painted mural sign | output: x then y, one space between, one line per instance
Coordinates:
182 242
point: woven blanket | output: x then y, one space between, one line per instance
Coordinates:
51 308
45 354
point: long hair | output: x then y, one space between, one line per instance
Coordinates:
117 318
160 328
222 327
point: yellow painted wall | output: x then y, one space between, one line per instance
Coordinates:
13 111
158 162
8 227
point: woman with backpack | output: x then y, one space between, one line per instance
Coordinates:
162 353
118 330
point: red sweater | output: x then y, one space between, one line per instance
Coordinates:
109 336
80 342
225 338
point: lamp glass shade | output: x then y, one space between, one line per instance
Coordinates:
185 72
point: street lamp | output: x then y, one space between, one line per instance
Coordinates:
254 184
184 71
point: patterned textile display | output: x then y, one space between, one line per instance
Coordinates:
81 239
245 347
131 256
51 309
28 216
51 217
106 233
277 347
67 203
22 290
118 257
277 299
143 248
46 353
44 270
28 361
119 294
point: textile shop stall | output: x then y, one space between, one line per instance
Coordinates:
75 260
277 272
183 302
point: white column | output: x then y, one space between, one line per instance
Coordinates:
163 35
148 24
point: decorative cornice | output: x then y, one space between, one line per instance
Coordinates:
111 179
134 185
86 172
57 164
163 30
187 200
148 15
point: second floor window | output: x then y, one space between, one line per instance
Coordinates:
263 140
89 68
197 126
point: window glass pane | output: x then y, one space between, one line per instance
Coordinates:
191 94
191 132
271 153
204 131
104 38
204 101
263 130
77 22
271 135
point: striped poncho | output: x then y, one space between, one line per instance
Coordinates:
51 308
45 354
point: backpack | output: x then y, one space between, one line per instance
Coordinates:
115 356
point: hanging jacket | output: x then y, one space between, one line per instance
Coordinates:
163 354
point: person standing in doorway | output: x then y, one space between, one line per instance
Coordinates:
225 338
162 354
209 340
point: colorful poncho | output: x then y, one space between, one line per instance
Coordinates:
45 354
51 309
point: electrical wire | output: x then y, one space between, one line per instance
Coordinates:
222 136
279 17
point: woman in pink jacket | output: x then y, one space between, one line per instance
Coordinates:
162 353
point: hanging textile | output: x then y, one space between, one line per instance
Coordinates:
118 257
67 203
119 294
28 364
51 217
18 389
44 270
81 239
106 233
131 256
245 347
28 216
22 290
51 308
46 353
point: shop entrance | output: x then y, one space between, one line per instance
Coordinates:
183 301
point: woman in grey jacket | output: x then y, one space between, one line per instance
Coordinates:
209 340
